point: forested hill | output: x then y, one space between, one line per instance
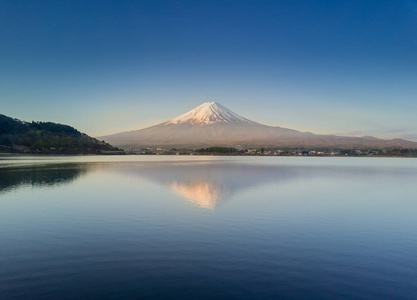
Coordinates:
46 137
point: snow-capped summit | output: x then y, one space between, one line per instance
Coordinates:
209 113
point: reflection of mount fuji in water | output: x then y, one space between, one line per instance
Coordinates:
210 183
206 184
204 194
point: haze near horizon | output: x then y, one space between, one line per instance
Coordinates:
328 67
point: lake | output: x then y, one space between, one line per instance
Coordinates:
207 227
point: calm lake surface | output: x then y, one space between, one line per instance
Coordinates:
160 227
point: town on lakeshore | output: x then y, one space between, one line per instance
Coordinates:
395 152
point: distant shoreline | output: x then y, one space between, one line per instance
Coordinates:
182 155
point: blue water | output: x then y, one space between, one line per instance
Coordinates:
162 227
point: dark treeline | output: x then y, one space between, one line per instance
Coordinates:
46 137
217 150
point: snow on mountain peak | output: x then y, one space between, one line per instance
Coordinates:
209 113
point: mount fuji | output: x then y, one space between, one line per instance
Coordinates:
212 124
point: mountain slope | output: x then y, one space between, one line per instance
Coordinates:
213 124
46 137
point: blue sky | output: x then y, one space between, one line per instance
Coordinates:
342 67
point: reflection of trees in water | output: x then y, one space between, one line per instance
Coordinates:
50 175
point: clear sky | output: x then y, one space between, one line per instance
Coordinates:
342 67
